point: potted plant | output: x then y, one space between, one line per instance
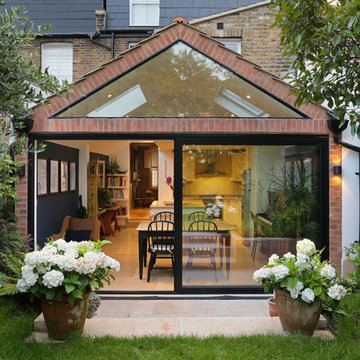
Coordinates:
113 167
62 275
104 197
301 282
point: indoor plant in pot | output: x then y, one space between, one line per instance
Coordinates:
301 282
62 275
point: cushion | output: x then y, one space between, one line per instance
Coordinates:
77 235
82 224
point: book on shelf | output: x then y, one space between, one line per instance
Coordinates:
116 181
117 193
122 211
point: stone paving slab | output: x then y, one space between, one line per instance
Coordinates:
202 318
201 327
182 308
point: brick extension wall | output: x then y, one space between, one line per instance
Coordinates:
316 125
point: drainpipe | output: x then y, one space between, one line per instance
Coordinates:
336 128
112 47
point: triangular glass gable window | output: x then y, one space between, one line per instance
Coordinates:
180 82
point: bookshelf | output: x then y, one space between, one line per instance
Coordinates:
118 184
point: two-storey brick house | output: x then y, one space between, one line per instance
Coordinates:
181 105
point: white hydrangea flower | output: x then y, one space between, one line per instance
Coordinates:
262 273
28 275
328 271
86 264
336 292
54 260
22 286
308 295
48 248
53 278
272 259
306 247
111 263
289 255
294 292
33 258
280 271
42 269
302 258
61 244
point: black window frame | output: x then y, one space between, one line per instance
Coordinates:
181 139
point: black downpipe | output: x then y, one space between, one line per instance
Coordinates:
112 45
336 128
111 48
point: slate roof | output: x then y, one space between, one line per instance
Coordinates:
78 16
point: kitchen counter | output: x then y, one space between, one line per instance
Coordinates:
188 206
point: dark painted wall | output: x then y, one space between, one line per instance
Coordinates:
52 208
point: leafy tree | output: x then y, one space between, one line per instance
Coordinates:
322 39
22 84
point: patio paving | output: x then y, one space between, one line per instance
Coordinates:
201 317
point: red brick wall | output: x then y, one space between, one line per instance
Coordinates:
21 209
316 125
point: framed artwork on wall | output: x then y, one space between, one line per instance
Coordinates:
72 176
41 177
64 176
54 176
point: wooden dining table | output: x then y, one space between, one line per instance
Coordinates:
223 229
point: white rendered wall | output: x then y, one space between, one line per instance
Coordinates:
350 188
122 155
166 168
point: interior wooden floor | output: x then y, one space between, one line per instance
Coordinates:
124 248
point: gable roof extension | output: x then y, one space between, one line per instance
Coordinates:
152 46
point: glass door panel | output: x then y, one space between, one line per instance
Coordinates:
242 203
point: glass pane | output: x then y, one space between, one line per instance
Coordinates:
180 82
243 203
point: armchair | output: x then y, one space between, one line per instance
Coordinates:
71 223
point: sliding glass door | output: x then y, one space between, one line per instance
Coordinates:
242 203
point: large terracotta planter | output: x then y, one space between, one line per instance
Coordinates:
62 319
295 315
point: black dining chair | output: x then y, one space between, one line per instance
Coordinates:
161 240
203 225
201 241
198 216
164 216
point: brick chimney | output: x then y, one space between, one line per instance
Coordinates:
179 19
100 16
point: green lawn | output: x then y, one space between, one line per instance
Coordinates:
16 326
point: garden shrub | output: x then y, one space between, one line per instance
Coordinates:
12 241
347 322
